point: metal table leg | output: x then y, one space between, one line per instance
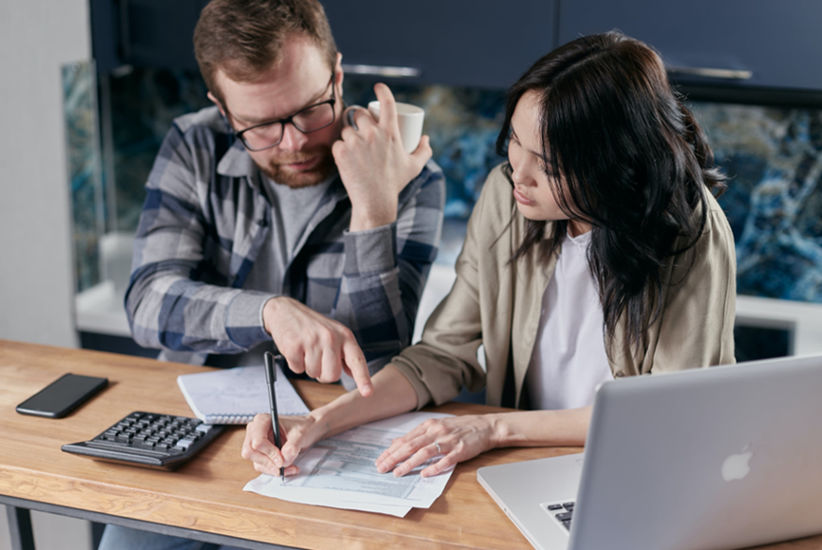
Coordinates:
22 537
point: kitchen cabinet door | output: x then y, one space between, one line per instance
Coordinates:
484 43
144 33
745 43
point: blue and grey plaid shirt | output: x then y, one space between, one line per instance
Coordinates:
204 222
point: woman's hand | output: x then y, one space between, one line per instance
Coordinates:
456 438
392 395
299 432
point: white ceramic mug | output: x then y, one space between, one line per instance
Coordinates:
409 120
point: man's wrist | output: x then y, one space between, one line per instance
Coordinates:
270 311
370 218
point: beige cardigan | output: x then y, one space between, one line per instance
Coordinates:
497 304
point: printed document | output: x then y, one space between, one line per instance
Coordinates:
339 472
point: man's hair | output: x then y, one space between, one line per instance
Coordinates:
244 37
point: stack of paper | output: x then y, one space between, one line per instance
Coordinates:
339 472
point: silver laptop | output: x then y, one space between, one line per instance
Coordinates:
724 457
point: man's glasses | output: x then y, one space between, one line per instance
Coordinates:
308 119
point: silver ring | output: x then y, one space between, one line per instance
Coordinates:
439 449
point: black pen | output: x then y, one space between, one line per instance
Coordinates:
271 378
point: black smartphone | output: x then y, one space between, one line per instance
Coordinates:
63 395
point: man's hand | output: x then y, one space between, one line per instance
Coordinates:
373 165
312 343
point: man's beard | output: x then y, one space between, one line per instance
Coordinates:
278 171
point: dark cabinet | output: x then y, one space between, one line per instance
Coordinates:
739 43
483 43
144 33
736 44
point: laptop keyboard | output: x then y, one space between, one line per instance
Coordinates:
562 512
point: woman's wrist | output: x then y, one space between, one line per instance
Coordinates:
319 418
502 433
535 428
332 418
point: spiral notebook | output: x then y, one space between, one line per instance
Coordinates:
234 396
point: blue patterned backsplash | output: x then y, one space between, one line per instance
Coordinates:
774 198
84 168
772 155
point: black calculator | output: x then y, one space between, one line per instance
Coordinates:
154 440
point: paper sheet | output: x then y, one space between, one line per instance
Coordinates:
339 472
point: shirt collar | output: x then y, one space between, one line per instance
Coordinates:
581 241
236 162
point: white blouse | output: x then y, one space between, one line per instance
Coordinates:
569 359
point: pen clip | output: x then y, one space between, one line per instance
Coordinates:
271 378
270 371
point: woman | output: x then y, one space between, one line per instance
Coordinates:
596 251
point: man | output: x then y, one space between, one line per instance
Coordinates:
269 222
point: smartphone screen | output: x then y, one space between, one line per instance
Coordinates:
62 396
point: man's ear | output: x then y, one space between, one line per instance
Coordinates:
216 102
338 70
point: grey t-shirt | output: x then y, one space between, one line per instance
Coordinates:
291 212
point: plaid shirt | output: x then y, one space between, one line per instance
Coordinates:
204 222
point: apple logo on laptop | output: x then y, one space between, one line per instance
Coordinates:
737 466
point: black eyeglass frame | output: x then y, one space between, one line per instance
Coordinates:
290 119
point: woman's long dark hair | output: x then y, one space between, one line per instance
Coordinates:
634 163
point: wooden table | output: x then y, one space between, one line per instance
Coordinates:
204 498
